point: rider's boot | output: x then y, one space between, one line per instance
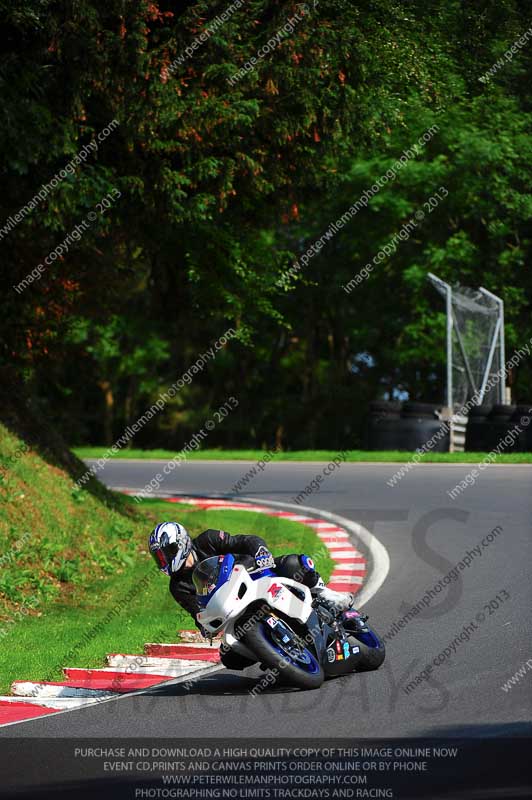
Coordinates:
338 601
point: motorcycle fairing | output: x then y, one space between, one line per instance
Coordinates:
236 589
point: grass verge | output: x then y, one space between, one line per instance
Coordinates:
387 456
67 560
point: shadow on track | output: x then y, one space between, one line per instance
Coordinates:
225 682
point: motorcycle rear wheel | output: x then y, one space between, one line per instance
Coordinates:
371 648
369 658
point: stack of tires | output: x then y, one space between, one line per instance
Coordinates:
523 418
411 426
383 426
499 425
478 429
408 428
488 427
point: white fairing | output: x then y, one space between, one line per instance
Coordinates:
225 606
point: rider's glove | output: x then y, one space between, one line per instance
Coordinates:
264 559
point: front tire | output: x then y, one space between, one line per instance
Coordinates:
303 671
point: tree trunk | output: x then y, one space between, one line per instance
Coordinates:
109 401
129 403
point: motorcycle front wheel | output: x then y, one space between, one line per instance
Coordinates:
288 657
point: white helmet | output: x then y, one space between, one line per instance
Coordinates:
170 544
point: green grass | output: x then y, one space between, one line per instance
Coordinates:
81 561
389 456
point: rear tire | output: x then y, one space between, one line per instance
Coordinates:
257 639
369 658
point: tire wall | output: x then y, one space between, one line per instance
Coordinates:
410 426
391 427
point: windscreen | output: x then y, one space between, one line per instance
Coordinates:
206 574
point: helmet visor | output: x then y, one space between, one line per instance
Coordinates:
160 559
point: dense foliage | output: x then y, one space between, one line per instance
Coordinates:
216 181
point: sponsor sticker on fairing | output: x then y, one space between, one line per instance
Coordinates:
264 559
346 649
275 590
330 654
272 622
355 649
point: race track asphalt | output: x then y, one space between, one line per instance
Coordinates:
426 534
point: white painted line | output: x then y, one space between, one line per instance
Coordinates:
203 645
358 579
141 663
40 690
94 670
345 553
325 526
333 535
173 671
179 667
53 702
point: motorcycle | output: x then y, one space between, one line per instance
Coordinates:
275 621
